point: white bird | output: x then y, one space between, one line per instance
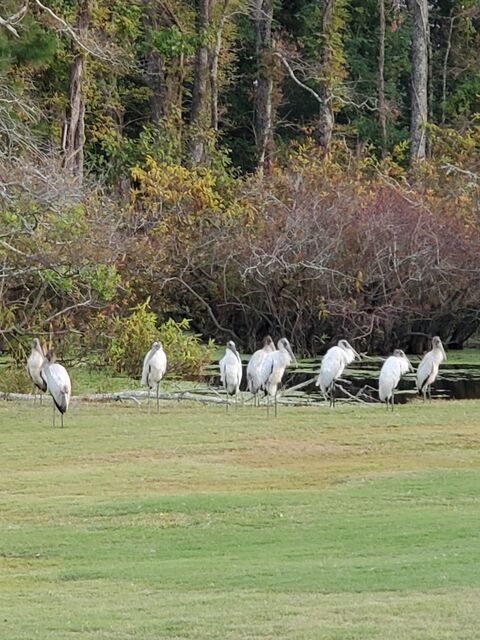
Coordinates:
333 364
428 368
154 368
231 370
58 383
255 365
34 367
274 367
392 370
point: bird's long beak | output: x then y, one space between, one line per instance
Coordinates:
357 355
294 360
443 351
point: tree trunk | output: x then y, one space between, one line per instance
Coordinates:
382 105
214 57
445 67
155 65
263 16
327 118
200 105
419 9
73 137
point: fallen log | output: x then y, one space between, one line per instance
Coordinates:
121 396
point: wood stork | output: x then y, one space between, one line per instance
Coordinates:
58 383
231 370
392 370
333 364
154 368
255 365
34 367
273 369
428 368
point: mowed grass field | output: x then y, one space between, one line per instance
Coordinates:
342 524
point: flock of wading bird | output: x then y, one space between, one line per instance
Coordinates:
265 371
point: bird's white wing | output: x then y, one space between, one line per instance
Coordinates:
254 370
145 368
404 364
157 365
58 384
239 369
223 365
34 366
230 371
267 368
59 377
233 376
424 370
349 355
389 377
332 367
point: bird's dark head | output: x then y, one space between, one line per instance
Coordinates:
268 342
50 356
156 345
346 346
437 344
400 353
284 345
231 346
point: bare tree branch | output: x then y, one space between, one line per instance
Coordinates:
14 19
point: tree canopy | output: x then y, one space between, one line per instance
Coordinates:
300 167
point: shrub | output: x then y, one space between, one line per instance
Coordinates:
15 379
131 337
186 354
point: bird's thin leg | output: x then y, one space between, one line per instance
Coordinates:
158 399
333 399
393 400
34 395
226 400
429 393
275 404
62 419
236 399
53 412
41 398
268 404
148 402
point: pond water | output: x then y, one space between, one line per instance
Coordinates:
454 381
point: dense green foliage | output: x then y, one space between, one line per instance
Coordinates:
103 207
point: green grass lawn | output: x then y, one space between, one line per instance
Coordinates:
341 524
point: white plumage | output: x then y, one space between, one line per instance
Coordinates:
428 368
255 366
58 383
231 370
333 364
274 367
35 364
154 368
392 370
